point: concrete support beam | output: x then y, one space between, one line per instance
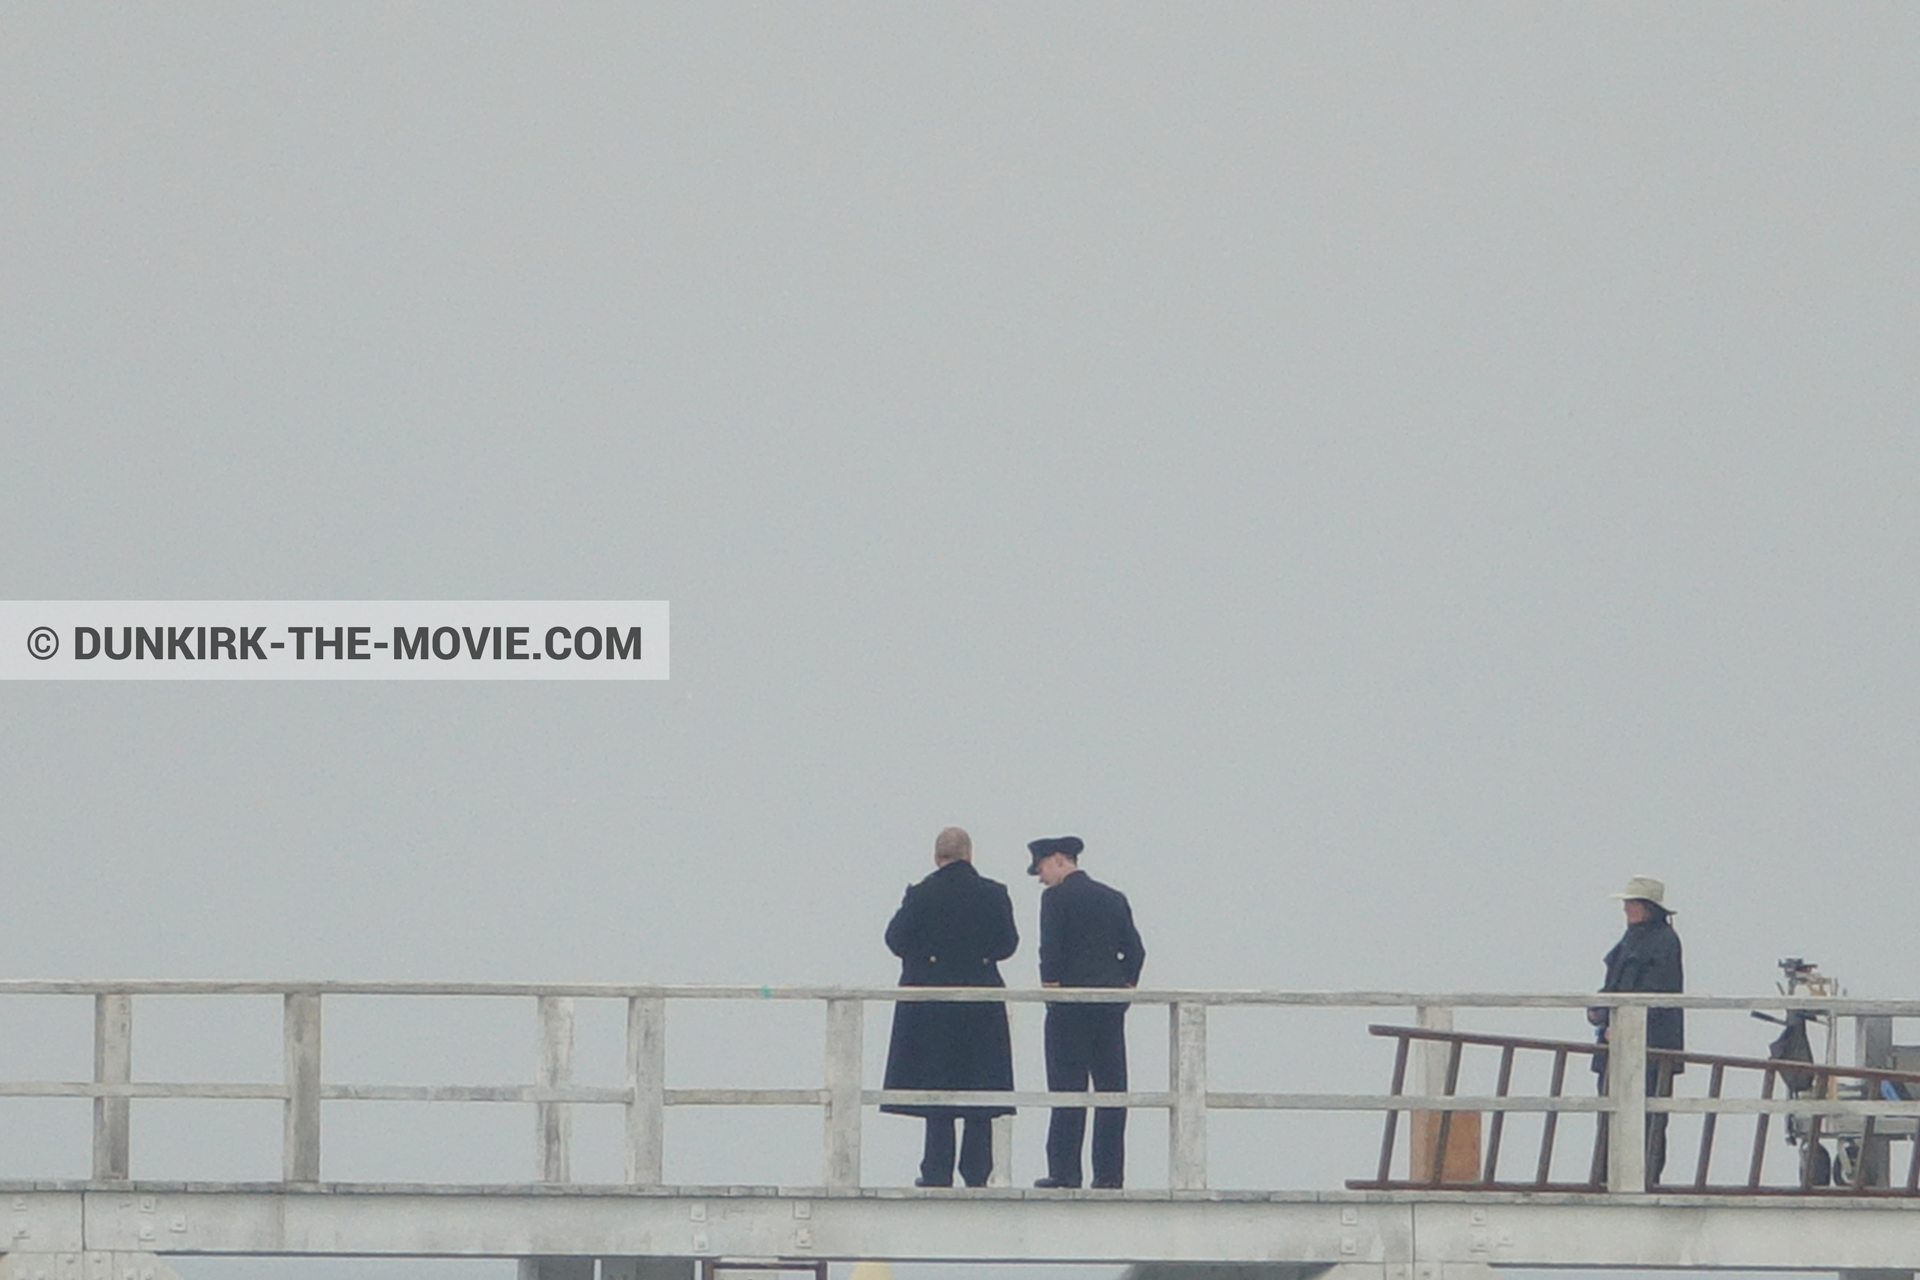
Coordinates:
553 1121
1873 1047
1431 1080
84 1266
982 1226
1441 1146
845 1063
647 1078
1671 1233
1299 1271
1250 1271
556 1269
301 1143
1369 1236
1187 1118
112 1064
649 1269
1002 1175
1627 1090
41 1222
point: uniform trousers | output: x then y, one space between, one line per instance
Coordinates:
976 1150
1087 1043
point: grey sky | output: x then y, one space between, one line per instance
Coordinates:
1382 475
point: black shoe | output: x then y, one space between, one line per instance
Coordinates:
1106 1186
976 1184
923 1182
1057 1184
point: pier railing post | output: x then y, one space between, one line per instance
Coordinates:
1187 1119
1433 1053
300 1146
1002 1175
844 1062
1426 1144
1873 1047
1627 1092
647 1084
553 1121
112 1064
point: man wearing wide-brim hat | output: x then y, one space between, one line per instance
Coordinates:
1647 958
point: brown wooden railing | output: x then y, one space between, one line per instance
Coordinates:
1821 1105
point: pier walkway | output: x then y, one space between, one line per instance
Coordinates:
1436 1205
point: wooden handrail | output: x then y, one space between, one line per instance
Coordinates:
844 1096
1847 1007
1679 1055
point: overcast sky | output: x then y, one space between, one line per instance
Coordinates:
1381 474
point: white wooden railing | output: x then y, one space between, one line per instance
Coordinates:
843 1094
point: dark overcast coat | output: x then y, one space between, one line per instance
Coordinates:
1647 958
952 930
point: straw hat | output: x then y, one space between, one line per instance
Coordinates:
1647 888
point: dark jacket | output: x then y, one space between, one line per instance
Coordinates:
951 930
1647 958
1087 938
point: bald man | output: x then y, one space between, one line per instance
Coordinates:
952 930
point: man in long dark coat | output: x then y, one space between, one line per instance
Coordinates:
1087 939
952 930
1647 958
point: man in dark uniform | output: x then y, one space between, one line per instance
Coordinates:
951 931
1087 939
1647 958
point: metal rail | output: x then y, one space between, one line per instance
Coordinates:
843 1095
